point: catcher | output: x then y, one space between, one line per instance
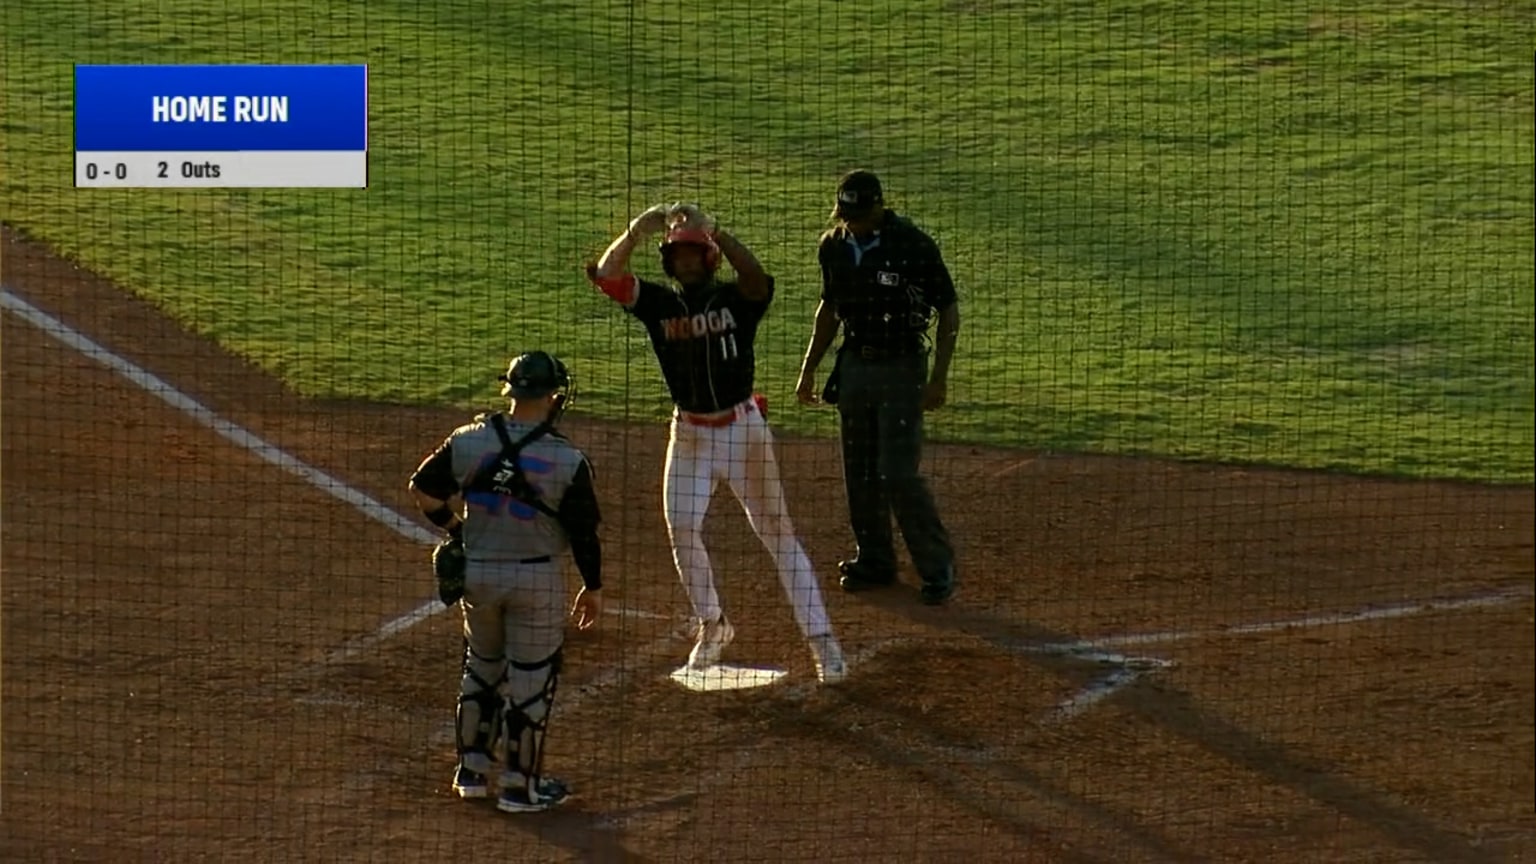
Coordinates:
526 494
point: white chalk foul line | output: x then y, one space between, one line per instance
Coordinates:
266 451
235 433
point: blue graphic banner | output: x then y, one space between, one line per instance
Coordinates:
221 108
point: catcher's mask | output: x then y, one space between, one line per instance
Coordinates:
691 237
534 374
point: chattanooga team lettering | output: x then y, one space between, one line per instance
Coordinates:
216 109
703 324
715 322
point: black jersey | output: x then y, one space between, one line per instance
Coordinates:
886 288
703 340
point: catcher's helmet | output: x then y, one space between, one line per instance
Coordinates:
534 374
694 237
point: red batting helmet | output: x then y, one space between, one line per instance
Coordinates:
693 237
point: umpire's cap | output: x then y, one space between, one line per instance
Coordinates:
532 375
857 193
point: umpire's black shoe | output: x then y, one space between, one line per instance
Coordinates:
858 576
936 591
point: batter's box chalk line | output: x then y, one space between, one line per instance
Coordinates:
1126 669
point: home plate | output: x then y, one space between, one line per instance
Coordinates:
726 677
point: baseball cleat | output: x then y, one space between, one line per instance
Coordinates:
935 595
936 591
712 639
469 784
516 798
830 665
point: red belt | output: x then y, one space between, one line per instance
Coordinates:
757 403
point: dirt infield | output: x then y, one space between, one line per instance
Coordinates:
193 668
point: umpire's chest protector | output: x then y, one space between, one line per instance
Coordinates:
882 284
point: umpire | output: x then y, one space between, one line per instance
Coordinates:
882 281
527 496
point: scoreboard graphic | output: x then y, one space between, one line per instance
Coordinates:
221 126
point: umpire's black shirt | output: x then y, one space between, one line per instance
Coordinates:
884 287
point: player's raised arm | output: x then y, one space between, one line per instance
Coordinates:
610 273
751 279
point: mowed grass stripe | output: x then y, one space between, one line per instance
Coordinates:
1253 231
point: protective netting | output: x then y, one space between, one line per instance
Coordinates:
1233 467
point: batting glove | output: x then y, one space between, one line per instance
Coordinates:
651 221
691 216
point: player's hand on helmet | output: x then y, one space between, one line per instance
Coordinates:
589 605
686 215
652 221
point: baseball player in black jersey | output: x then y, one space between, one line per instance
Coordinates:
882 280
703 332
526 495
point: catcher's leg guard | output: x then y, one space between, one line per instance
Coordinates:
480 710
530 694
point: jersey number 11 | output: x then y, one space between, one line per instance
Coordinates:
728 346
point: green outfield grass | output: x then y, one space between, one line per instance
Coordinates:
1242 230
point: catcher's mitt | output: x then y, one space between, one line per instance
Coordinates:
448 565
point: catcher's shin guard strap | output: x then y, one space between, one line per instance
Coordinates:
530 695
479 716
